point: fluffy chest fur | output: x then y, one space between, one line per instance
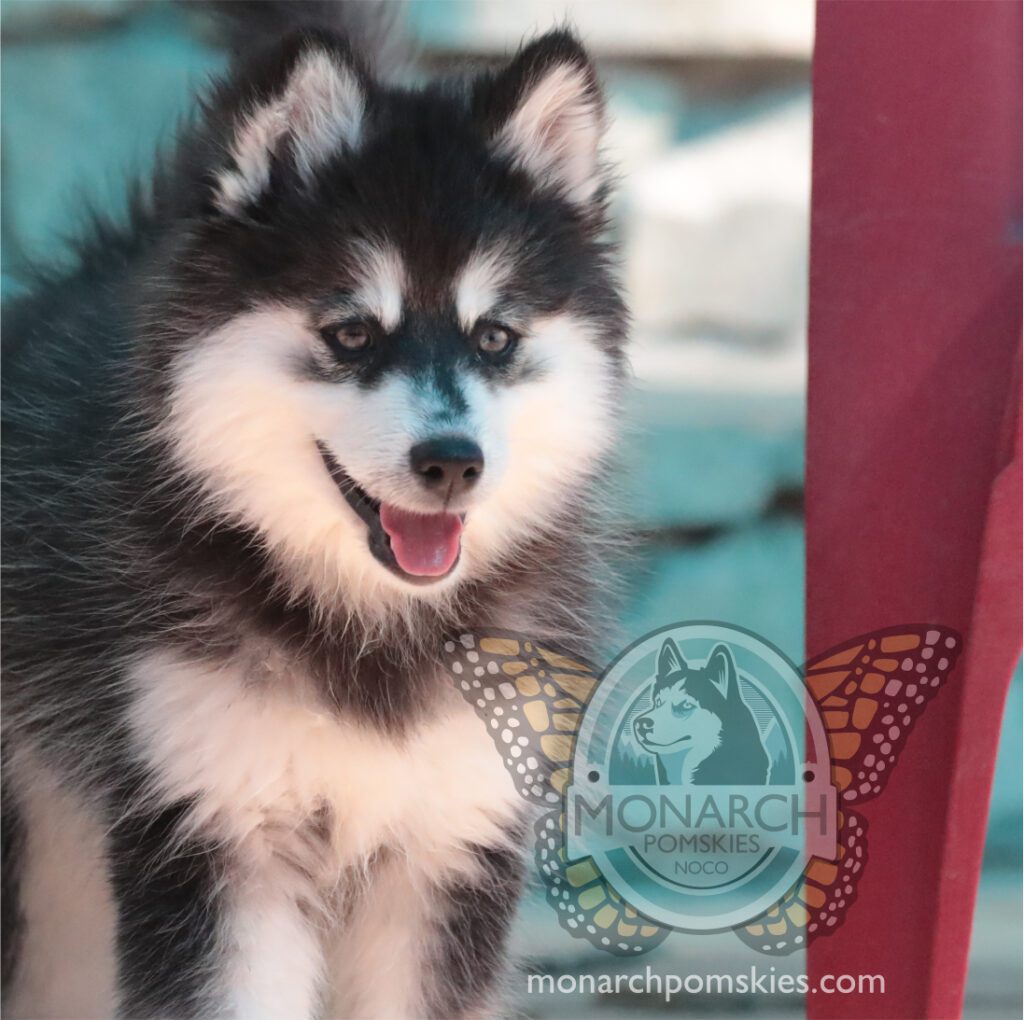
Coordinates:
257 759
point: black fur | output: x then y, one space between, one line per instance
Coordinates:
475 929
12 840
167 938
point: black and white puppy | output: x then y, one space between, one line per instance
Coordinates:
344 383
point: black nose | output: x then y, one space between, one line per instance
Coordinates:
643 726
451 465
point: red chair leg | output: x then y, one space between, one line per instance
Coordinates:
913 468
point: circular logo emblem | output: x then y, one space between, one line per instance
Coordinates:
701 777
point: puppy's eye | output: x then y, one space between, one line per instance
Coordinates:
348 339
494 341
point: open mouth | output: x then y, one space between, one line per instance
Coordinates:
419 548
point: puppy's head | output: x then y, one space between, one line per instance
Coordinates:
393 346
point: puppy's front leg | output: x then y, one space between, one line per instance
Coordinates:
206 929
475 914
418 948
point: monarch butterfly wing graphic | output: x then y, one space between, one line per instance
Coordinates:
869 692
531 697
818 902
586 905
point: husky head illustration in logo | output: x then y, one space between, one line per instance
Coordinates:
699 728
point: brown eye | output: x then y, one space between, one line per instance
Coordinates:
353 337
348 339
493 340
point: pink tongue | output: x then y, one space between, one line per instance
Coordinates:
426 545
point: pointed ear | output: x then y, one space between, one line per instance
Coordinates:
722 671
545 113
314 111
670 659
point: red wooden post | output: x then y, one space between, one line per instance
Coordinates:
913 452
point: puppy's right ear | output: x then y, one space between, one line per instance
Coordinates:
308 107
670 659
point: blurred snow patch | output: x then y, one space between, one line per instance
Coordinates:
649 28
711 366
717 231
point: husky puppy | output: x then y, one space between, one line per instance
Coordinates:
699 728
345 383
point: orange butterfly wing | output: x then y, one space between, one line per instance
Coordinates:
818 902
870 693
531 696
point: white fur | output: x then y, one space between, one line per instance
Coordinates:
556 425
555 132
66 961
372 432
479 284
243 422
320 111
379 966
263 767
383 282
274 963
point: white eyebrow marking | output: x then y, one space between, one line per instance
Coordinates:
382 283
479 283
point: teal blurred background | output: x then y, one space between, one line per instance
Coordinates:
711 130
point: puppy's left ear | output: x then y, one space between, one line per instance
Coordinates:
311 106
545 113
